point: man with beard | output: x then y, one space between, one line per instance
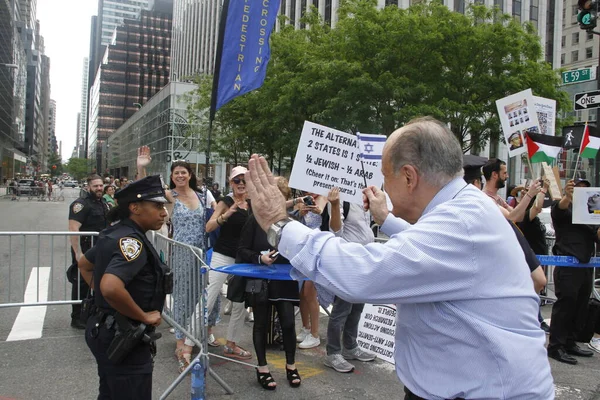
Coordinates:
86 214
494 172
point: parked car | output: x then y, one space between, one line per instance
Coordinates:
71 184
24 186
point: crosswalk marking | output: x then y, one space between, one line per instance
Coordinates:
30 320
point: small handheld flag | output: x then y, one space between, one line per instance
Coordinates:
371 146
589 144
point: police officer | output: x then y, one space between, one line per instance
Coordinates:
131 283
86 214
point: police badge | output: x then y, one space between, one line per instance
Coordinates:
130 248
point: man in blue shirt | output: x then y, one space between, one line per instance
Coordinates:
467 311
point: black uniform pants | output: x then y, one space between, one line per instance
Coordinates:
573 287
262 311
80 289
130 380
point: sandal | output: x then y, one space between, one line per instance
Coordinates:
293 375
184 357
236 352
212 341
264 379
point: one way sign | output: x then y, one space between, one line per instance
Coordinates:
587 100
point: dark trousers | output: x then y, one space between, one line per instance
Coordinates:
79 290
343 326
573 287
130 380
285 310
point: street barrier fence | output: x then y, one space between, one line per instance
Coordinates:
34 268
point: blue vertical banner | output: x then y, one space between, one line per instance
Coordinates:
245 52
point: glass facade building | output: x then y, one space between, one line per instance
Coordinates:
162 124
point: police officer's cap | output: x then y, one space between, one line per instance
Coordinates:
472 166
150 188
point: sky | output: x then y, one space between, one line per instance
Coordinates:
65 25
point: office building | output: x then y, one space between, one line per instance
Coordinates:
135 66
52 142
82 115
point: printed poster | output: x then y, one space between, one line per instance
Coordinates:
326 158
376 330
518 116
546 113
586 205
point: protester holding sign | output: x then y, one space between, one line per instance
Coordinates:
345 316
467 325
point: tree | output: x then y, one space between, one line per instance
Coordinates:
77 167
379 68
55 165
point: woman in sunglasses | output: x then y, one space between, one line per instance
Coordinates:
231 216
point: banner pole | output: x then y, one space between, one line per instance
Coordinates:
215 83
576 164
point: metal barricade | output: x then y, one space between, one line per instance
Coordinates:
185 310
34 266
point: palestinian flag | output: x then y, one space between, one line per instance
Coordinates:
543 147
589 144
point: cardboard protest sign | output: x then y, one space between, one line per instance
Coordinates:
327 158
546 113
554 189
518 117
586 205
376 330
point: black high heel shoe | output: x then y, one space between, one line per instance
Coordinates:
292 375
264 379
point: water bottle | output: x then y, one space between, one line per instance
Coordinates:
198 381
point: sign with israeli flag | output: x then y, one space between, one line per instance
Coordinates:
371 146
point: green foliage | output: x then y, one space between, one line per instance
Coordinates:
378 69
77 168
55 160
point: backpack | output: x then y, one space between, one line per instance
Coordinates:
325 216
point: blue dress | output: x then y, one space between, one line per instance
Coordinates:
189 228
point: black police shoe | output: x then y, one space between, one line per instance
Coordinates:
575 350
562 356
77 324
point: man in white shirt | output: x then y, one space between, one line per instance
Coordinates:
467 313
351 223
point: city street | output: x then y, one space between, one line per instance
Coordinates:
58 365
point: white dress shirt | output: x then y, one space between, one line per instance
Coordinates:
467 312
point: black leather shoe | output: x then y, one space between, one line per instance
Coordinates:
77 324
562 356
578 351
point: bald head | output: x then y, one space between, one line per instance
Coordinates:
430 147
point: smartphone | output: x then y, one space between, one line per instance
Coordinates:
308 200
274 255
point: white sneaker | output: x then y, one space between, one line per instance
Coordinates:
310 342
357 354
302 335
337 362
594 344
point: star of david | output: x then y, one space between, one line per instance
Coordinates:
368 148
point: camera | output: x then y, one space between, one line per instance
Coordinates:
308 200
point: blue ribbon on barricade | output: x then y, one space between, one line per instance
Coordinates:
278 272
568 261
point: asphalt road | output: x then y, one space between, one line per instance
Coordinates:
58 364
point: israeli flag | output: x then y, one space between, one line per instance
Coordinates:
371 146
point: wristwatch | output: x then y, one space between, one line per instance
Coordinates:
274 232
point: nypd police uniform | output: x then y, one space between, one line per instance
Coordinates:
90 212
123 250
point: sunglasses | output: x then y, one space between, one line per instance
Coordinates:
237 181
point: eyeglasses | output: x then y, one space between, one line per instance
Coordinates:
238 180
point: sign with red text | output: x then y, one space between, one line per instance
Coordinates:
327 158
376 330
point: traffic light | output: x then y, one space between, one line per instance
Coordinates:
588 13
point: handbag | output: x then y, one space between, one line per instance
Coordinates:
236 289
257 291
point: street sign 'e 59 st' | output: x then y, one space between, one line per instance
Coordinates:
579 75
587 100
